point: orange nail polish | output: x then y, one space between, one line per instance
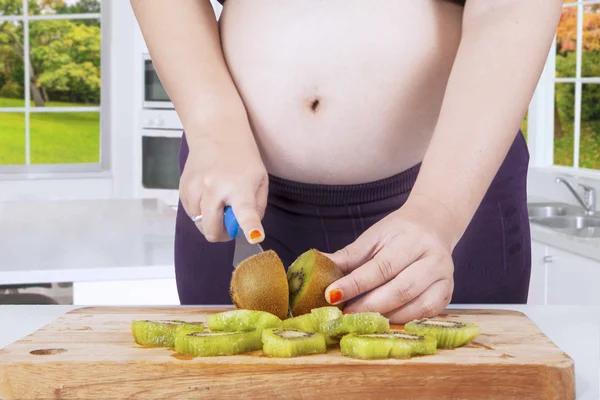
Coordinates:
334 296
255 234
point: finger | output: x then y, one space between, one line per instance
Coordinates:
262 196
212 223
404 287
376 272
356 253
429 304
248 215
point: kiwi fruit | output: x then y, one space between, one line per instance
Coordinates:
292 343
308 277
260 283
242 320
304 323
210 344
397 344
449 334
161 333
362 323
324 314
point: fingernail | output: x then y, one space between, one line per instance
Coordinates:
255 234
334 296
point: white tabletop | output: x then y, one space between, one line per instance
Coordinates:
576 330
85 240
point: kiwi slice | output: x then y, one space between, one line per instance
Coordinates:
386 345
242 320
308 277
161 333
304 323
260 283
324 314
210 344
449 334
363 323
292 343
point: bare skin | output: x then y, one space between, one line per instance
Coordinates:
395 84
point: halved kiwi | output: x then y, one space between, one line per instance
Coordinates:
209 344
449 334
292 343
308 277
242 320
398 344
260 283
161 333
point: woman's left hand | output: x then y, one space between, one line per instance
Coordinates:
402 264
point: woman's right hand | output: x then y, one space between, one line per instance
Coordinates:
220 172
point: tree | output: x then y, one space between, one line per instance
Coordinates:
64 56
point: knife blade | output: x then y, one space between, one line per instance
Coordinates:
243 248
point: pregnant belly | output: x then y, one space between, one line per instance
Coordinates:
341 91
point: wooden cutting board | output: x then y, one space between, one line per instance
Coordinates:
90 353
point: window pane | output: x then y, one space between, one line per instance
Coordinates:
591 42
563 123
65 55
12 138
589 147
11 7
524 126
566 43
49 7
63 138
569 1
12 72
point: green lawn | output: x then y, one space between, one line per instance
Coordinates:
56 138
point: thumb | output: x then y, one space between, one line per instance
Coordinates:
356 253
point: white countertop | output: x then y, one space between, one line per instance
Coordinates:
86 240
576 330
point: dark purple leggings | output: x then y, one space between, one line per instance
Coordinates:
492 261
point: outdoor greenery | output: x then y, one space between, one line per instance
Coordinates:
64 61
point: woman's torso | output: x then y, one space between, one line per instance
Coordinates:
341 91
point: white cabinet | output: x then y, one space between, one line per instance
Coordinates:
562 278
149 292
537 284
572 279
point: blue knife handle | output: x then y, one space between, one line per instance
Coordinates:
231 223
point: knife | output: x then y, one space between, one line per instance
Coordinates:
243 248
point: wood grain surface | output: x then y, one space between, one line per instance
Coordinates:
90 354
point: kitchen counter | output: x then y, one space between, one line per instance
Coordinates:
83 240
576 330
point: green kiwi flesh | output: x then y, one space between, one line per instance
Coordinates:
387 345
161 333
285 343
304 323
242 320
211 344
363 323
449 334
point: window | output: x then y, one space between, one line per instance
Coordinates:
50 61
577 86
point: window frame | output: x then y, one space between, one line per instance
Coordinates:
540 130
28 170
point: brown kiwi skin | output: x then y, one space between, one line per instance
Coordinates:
324 273
260 283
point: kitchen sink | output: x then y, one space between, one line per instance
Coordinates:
565 218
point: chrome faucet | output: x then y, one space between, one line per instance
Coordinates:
589 204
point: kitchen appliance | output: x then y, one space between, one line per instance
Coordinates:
90 353
161 130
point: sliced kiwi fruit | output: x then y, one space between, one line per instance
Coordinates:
362 323
210 344
308 277
324 314
161 333
304 323
292 343
449 334
398 344
260 283
242 320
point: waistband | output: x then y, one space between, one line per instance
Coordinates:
343 195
